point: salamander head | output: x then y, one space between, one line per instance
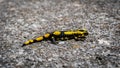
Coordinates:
84 31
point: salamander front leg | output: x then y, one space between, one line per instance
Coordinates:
53 40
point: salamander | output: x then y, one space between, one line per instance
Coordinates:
79 34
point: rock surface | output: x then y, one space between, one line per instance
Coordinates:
21 20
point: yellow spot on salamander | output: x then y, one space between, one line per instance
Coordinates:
68 33
47 35
39 38
57 33
27 42
52 37
78 32
31 41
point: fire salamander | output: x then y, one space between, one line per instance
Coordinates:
60 35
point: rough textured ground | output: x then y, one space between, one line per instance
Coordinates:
21 20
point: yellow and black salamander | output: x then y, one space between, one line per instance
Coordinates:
79 34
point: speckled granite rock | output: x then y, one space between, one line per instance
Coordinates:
21 20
